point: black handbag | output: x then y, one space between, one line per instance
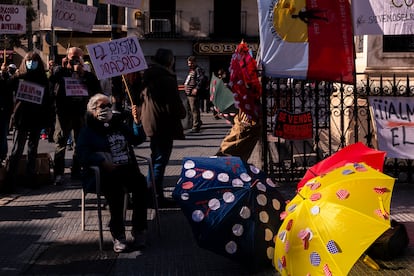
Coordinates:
391 244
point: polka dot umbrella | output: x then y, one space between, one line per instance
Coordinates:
233 208
332 221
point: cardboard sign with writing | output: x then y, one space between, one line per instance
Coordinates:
30 92
293 126
12 19
394 121
74 87
74 16
117 57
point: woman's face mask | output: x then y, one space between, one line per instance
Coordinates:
31 64
104 112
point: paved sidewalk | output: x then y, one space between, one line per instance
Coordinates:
40 229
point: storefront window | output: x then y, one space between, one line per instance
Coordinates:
398 43
103 15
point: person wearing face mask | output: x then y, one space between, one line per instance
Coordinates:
31 114
70 106
107 141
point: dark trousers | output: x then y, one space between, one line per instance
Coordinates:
63 129
4 132
194 103
114 184
20 137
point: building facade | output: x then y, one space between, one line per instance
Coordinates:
205 28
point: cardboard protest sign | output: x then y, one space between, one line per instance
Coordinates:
12 19
293 126
117 57
124 3
74 87
30 92
74 16
394 122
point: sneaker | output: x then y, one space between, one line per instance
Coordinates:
119 245
139 239
59 180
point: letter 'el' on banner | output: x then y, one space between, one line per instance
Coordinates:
117 57
293 126
394 123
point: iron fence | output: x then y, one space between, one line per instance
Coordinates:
341 117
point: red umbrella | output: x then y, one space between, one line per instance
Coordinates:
244 82
357 152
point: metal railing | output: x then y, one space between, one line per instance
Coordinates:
341 116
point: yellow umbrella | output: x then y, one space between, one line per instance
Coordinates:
333 220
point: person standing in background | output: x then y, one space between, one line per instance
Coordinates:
29 118
162 111
6 110
70 107
194 85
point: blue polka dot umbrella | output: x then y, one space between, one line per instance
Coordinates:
233 208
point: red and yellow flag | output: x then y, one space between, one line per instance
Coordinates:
307 39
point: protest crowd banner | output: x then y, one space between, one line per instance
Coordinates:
117 57
394 121
74 16
12 19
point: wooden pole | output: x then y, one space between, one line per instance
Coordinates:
127 89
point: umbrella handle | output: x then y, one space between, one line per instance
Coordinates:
381 203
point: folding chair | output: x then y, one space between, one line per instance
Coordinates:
96 171
97 191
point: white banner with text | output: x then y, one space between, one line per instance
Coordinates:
394 121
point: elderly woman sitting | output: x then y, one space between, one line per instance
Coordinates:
106 141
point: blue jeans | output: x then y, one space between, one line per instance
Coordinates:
161 149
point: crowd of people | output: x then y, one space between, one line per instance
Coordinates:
73 107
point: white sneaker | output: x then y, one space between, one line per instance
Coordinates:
119 245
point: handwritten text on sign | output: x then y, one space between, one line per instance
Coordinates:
30 92
394 120
117 57
12 19
74 87
75 16
293 126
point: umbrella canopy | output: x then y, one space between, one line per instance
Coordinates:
331 222
357 152
233 208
